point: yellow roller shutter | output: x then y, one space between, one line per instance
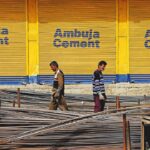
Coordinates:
12 37
77 34
139 36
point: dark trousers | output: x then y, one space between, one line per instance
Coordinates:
99 104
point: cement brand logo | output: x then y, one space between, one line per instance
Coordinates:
147 42
85 39
3 36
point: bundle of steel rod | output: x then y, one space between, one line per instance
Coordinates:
97 130
77 103
33 126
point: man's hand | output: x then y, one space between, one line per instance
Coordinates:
104 95
56 94
53 93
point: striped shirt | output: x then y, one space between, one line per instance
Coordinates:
98 82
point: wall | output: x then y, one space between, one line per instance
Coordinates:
40 31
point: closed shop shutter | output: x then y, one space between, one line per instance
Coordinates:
62 25
139 37
12 37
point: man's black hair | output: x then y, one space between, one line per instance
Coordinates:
53 63
102 63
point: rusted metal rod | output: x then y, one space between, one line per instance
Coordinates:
18 97
145 98
128 135
124 132
117 102
139 102
142 137
14 103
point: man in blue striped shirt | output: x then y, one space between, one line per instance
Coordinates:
98 87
